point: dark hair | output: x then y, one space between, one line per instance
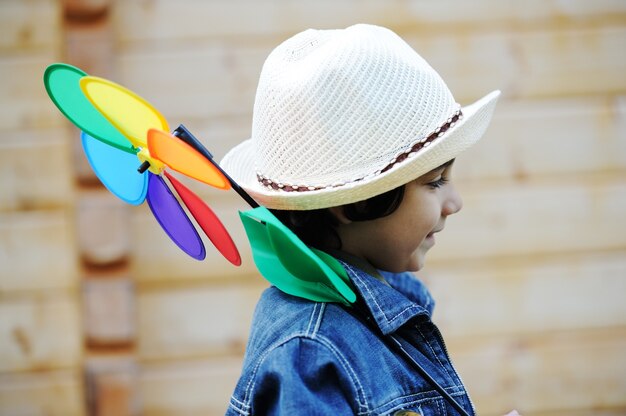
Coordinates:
317 228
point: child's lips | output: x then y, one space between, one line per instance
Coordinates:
431 235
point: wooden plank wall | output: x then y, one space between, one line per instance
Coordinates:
40 307
101 314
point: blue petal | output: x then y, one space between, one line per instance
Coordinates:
117 170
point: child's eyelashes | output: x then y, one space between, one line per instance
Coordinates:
439 176
438 183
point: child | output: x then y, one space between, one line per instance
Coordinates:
353 141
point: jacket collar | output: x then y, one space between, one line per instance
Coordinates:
394 301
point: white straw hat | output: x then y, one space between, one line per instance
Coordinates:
344 115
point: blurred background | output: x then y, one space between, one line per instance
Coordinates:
100 314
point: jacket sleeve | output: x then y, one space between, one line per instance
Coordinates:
303 376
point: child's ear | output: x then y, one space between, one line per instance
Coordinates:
340 215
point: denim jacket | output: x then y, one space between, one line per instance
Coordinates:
310 358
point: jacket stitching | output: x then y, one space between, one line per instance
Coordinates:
356 384
440 408
356 276
434 353
239 402
252 381
319 319
322 340
237 409
346 363
311 318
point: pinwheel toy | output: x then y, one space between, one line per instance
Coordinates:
119 127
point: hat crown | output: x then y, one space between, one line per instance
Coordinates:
335 106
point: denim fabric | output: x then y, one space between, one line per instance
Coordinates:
310 358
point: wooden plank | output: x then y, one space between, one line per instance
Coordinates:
89 42
553 64
24 101
88 37
544 372
50 393
86 11
192 387
219 80
528 64
577 214
35 170
37 251
530 139
30 25
103 223
266 18
196 320
109 313
529 294
111 383
40 332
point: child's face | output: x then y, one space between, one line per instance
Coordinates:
399 242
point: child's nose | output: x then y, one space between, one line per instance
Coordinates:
453 201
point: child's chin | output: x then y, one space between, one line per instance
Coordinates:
417 263
412 264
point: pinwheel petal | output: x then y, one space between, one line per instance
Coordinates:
173 218
127 111
116 170
183 158
285 261
62 82
208 221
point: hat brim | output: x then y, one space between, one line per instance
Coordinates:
240 164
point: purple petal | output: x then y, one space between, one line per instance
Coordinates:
173 218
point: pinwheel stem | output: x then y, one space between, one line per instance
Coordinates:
185 135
